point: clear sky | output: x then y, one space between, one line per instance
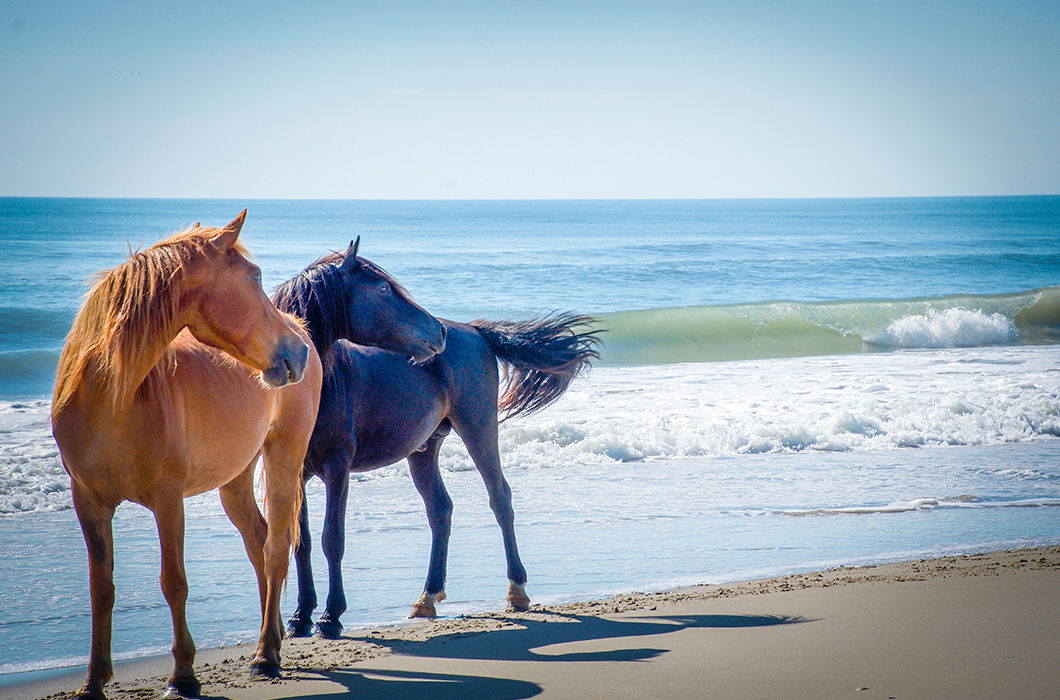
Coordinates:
531 99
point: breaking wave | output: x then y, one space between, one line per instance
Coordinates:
797 329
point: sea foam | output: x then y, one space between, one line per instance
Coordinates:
859 403
948 328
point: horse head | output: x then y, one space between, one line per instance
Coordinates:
225 306
381 313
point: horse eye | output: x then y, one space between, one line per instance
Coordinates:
384 288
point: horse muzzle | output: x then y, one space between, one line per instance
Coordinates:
288 364
429 347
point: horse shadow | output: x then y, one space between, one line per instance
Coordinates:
526 636
520 640
419 685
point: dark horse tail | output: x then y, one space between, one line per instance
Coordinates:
542 356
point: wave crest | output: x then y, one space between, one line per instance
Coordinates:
949 328
799 329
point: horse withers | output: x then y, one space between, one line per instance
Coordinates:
378 408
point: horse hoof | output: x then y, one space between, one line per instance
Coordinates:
184 688
424 607
86 693
265 669
518 601
299 627
329 629
423 610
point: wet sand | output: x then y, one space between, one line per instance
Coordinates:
978 626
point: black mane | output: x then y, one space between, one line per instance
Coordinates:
318 296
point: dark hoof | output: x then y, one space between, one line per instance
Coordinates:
265 669
329 629
299 627
183 688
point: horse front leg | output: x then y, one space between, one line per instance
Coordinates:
283 469
96 525
169 517
428 480
336 476
301 623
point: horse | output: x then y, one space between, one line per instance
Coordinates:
377 408
177 374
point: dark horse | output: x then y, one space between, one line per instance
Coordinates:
377 408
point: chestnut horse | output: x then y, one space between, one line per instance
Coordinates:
376 409
150 407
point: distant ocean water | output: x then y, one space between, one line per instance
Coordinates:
763 360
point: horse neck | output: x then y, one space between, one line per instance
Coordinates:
321 309
156 356
114 388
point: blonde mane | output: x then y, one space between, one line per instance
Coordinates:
125 316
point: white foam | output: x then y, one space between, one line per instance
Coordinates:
949 328
856 403
32 478
859 403
923 504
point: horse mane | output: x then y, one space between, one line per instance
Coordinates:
318 297
126 314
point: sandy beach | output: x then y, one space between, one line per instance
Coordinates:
977 626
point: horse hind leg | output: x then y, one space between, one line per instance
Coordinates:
425 474
96 525
481 442
169 517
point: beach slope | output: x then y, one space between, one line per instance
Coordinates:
978 626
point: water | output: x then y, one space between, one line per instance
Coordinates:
785 385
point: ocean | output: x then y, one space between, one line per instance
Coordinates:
784 385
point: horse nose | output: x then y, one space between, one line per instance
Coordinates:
296 359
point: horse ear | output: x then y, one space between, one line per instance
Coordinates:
350 256
228 235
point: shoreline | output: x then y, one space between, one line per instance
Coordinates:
661 644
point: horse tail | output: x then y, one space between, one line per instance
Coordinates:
541 357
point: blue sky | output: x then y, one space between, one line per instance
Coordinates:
529 100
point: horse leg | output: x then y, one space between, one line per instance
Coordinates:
428 480
169 517
301 623
99 539
283 471
481 444
237 497
333 541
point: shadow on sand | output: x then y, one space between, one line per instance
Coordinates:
419 685
522 640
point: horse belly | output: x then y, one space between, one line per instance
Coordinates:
391 438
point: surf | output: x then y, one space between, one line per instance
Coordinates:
798 329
